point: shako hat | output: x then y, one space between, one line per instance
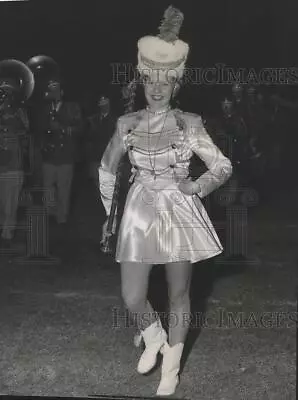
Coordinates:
165 53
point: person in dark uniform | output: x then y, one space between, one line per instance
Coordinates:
63 125
235 128
284 103
101 126
13 132
233 138
258 122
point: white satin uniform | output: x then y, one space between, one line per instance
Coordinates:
160 224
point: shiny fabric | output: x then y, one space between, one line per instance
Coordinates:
106 184
160 224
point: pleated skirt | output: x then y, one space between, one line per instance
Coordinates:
161 226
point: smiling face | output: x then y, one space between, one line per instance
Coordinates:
158 91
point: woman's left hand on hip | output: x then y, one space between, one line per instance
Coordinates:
188 186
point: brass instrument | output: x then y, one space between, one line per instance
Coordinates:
17 80
46 72
16 86
48 79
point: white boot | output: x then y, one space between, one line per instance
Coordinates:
170 369
154 337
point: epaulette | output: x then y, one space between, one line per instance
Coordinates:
184 119
130 121
186 114
128 116
190 115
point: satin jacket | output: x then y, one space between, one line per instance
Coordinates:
190 138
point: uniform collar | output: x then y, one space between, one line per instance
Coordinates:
159 112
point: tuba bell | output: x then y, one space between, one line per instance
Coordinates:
46 72
16 80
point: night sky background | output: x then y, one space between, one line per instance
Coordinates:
85 37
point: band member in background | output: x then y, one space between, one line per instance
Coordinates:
14 128
100 129
235 128
245 130
164 221
283 132
259 125
249 126
59 149
238 99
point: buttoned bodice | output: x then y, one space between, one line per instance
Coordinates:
157 148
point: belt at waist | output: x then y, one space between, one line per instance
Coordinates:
158 179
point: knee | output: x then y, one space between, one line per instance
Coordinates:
133 299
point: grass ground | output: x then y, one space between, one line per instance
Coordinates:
58 335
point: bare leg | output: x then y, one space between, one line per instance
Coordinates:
134 281
179 278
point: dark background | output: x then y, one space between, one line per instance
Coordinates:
85 37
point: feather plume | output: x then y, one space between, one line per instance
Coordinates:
171 24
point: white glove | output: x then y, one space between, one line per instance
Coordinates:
106 234
106 187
